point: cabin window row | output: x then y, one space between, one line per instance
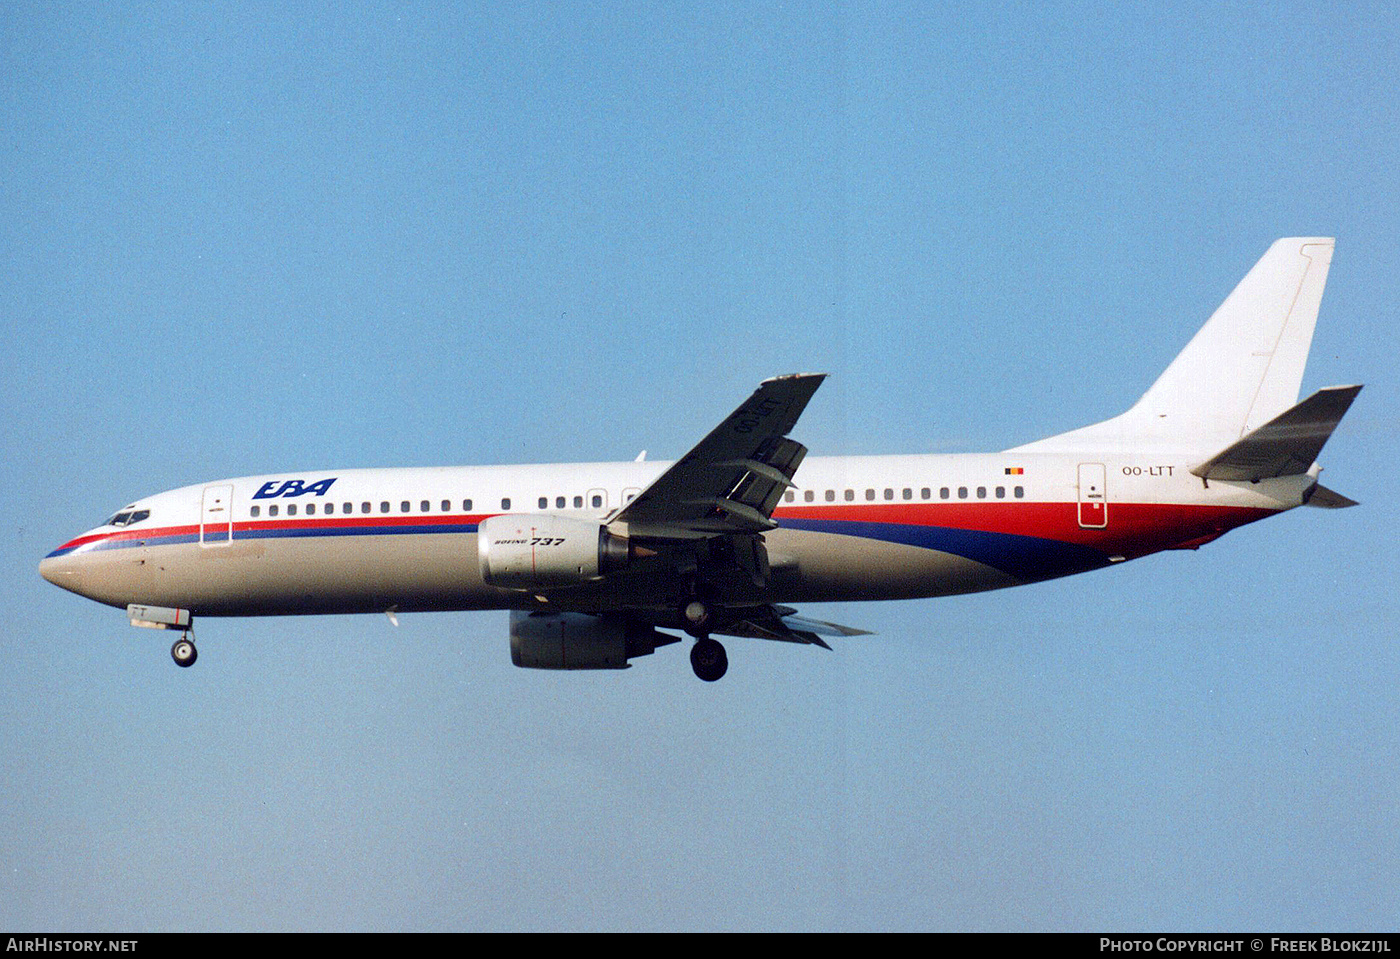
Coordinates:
596 500
424 506
871 495
330 509
562 502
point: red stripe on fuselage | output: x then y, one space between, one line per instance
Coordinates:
349 522
1134 529
131 534
307 523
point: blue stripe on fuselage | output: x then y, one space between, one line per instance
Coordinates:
353 530
1028 558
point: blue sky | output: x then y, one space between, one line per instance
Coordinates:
256 237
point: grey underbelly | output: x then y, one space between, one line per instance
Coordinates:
421 572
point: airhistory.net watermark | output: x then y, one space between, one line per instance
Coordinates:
48 944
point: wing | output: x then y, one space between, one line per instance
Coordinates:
733 478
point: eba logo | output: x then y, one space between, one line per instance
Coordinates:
294 487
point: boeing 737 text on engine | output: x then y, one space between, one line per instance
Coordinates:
596 561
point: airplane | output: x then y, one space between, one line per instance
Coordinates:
601 563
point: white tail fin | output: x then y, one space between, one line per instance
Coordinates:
1241 370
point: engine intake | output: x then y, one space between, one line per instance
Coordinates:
533 551
580 640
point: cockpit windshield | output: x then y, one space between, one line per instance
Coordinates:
128 517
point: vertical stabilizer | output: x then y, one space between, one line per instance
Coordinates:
1240 371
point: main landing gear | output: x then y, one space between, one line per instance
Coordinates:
708 659
707 656
697 618
183 652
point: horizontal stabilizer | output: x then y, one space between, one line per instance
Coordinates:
1288 444
1324 498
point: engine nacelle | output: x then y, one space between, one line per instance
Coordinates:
534 551
580 640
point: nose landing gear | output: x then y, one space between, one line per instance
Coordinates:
183 652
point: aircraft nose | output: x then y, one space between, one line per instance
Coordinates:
102 575
64 570
56 569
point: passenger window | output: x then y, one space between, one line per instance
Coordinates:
1020 492
559 502
908 493
1001 492
291 509
870 494
850 495
348 508
943 493
789 496
447 506
597 501
831 496
424 506
257 511
330 508
466 505
405 506
578 502
962 492
544 502
272 511
809 495
384 506
981 492
505 503
364 507
310 509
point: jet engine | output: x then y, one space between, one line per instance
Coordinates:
533 551
580 640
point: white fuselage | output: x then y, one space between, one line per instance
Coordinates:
854 528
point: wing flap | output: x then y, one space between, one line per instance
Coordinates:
781 623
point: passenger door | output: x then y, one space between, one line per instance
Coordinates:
216 516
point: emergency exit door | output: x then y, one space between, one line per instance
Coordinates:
1093 496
